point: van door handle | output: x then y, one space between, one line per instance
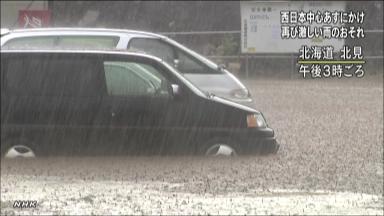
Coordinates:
113 114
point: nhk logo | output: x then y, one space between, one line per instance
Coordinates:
25 204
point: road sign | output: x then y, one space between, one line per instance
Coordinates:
261 26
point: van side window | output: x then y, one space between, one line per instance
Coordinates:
81 41
153 47
41 42
64 41
52 76
137 79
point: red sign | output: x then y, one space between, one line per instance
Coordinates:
34 18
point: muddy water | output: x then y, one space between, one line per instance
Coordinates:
66 196
330 162
176 185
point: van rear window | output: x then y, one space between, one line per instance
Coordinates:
52 76
64 42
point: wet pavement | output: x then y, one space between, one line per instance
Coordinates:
330 162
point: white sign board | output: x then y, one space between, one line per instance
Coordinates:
261 27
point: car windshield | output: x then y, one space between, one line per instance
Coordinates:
178 56
187 81
194 54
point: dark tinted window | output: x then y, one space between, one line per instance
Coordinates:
53 76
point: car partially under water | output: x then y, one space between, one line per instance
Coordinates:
103 102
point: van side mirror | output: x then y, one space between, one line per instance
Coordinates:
176 91
221 67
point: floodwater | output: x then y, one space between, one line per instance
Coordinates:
65 196
171 185
330 162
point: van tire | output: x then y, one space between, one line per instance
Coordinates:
17 148
220 146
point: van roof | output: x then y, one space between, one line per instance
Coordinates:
74 30
4 31
112 52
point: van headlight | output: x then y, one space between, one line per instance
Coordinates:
256 120
240 93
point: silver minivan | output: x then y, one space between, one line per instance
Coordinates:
202 72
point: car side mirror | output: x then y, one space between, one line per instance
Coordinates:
221 67
176 91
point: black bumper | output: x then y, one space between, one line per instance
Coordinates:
261 141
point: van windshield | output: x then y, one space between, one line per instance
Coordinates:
188 62
194 54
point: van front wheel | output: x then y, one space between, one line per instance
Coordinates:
17 149
220 147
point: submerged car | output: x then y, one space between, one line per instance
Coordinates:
104 102
199 70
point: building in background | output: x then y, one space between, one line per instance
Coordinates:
25 14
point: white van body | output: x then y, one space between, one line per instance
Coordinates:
202 72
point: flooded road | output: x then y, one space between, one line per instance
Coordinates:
74 197
330 162
176 185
